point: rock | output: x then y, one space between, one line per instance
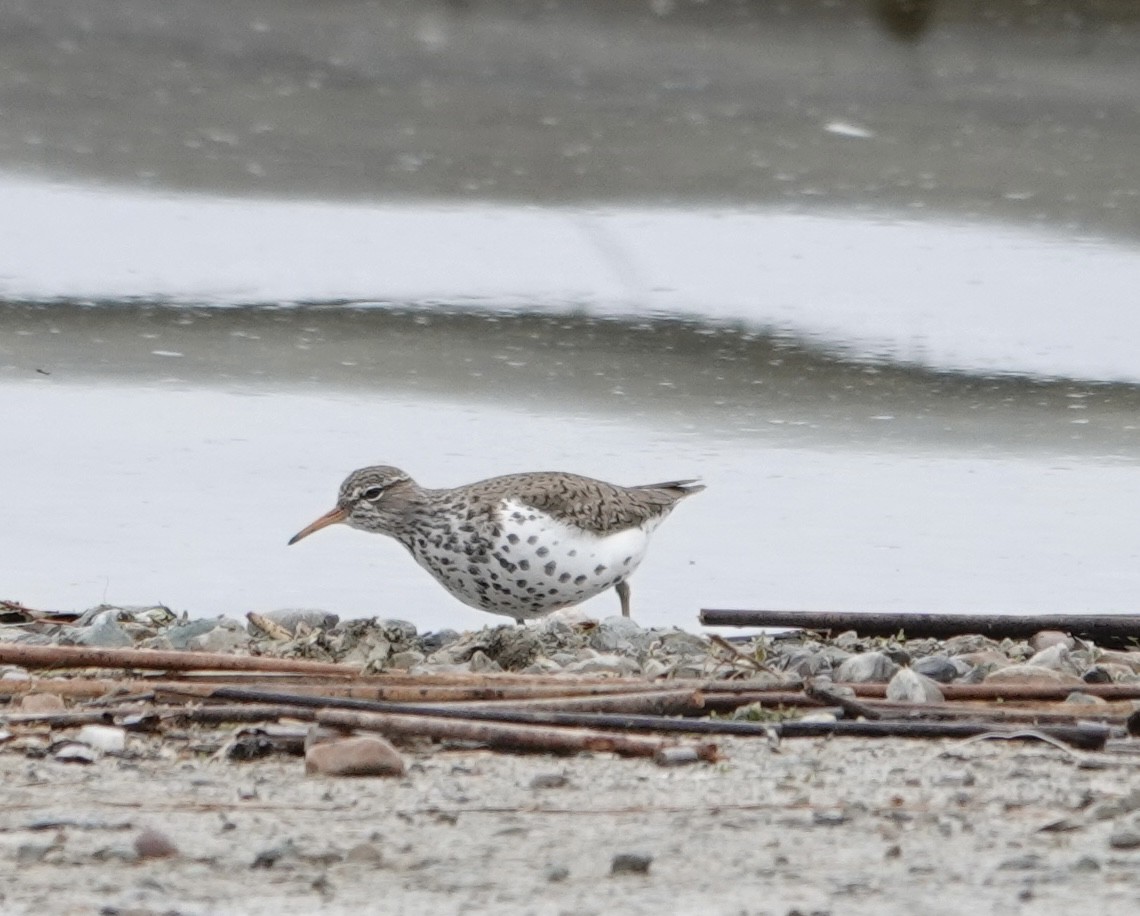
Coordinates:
1104 674
818 717
908 686
870 667
74 752
676 756
432 642
631 863
940 668
365 854
605 664
1046 639
103 632
1129 660
151 844
108 739
226 636
807 663
1126 838
617 634
397 630
1031 674
41 703
654 667
1086 863
1027 862
284 854
408 658
542 665
678 642
1055 658
1085 699
550 781
179 636
292 618
556 873
481 662
357 756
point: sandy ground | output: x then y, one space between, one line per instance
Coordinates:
839 826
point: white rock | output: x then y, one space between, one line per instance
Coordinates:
106 738
908 686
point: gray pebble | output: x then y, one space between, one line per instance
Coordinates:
556 873
631 863
908 686
1126 838
870 667
940 668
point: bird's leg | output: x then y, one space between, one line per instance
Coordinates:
623 593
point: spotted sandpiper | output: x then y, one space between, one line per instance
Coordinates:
521 545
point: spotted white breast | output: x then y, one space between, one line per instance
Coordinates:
532 563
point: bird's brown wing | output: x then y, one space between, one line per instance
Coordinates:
596 505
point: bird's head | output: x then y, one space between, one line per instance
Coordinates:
371 499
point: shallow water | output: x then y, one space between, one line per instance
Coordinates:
872 278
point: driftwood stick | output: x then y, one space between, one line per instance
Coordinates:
156 659
1089 736
658 703
1015 691
202 715
504 736
723 701
1100 628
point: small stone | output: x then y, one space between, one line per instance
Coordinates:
1100 674
908 686
179 636
357 756
631 863
74 752
103 632
676 756
550 781
106 738
829 818
1021 863
481 662
226 636
1085 699
605 664
275 855
616 634
1031 674
820 717
940 668
406 659
1086 863
870 667
151 844
1046 639
1056 658
292 618
432 642
41 703
365 854
556 873
1129 660
1126 838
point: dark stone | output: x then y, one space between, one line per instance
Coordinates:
631 863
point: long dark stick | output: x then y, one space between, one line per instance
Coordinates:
1090 735
1103 629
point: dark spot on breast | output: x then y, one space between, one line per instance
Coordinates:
532 540
550 568
444 561
542 551
521 583
473 569
572 553
599 569
626 561
513 538
579 580
552 591
524 565
565 577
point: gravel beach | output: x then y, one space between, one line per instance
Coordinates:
171 822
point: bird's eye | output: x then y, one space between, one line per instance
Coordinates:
372 493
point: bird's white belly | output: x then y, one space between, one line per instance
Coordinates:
538 564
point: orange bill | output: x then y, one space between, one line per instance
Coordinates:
329 518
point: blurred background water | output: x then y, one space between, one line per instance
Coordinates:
870 269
